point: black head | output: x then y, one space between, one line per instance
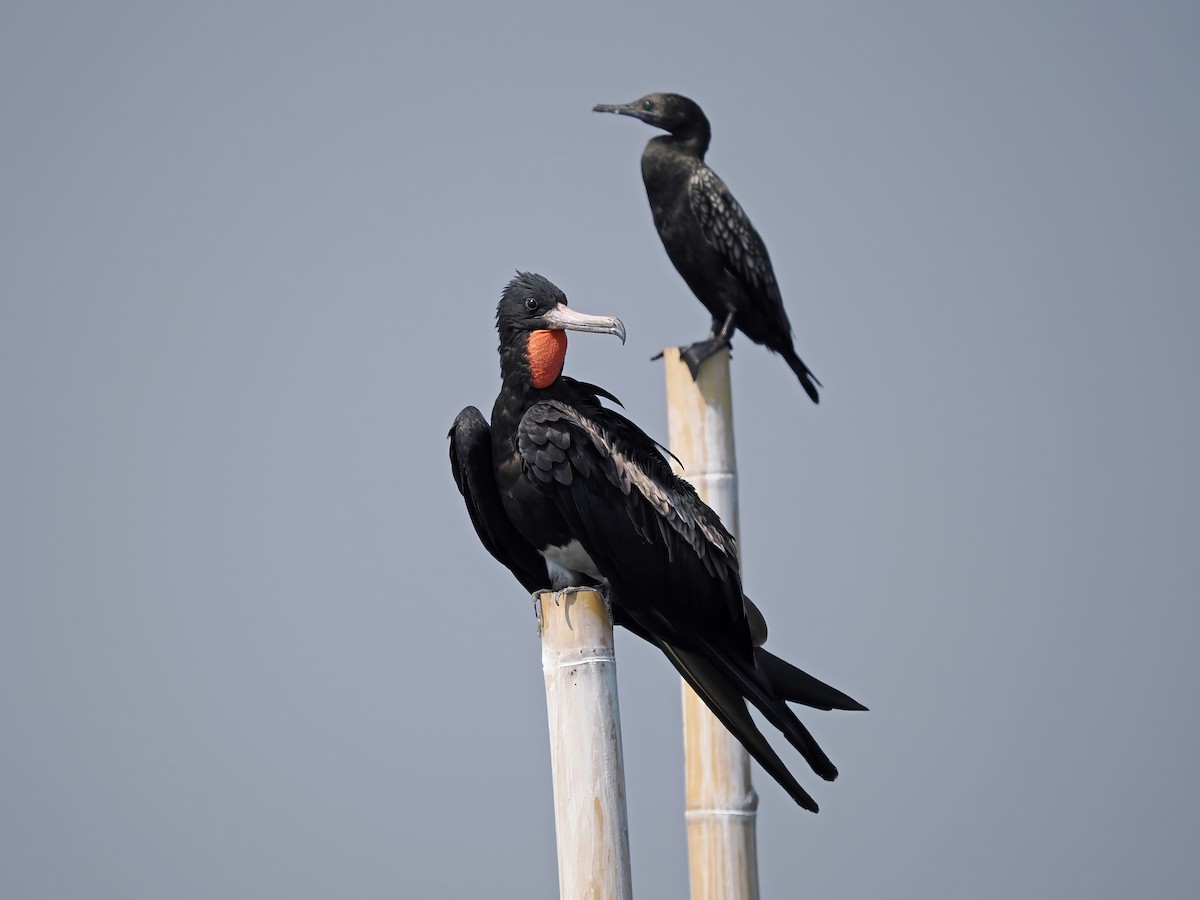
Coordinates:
533 318
533 303
525 299
670 112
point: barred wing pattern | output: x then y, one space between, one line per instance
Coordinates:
728 229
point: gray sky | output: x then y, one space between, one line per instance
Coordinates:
249 259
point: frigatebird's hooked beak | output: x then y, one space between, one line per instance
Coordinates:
565 318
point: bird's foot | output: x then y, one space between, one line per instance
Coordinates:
556 594
536 596
576 588
695 354
692 359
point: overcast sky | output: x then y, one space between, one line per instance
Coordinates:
249 260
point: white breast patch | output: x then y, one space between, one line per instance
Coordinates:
567 563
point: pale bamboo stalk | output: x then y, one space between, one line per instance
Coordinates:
590 823
721 805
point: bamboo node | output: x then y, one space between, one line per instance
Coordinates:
558 662
719 813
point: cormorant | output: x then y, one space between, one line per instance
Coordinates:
567 492
707 235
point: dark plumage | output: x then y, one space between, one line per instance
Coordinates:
564 491
707 235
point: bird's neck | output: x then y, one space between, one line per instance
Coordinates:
515 373
693 142
520 384
667 164
512 401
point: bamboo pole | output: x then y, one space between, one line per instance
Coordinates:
590 824
721 804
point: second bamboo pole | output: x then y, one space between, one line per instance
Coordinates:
721 804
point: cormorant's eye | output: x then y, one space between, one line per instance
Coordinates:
530 304
648 105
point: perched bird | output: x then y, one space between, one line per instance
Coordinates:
567 492
708 237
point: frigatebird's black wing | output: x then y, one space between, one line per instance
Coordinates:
727 228
471 464
631 513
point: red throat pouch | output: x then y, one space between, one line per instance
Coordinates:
547 351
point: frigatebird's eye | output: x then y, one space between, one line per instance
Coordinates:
648 105
531 304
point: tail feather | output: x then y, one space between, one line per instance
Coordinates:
728 705
769 683
807 379
796 685
776 712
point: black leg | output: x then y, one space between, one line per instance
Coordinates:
695 354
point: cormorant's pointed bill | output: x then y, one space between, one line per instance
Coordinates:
637 109
564 318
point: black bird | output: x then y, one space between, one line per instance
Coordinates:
708 237
566 492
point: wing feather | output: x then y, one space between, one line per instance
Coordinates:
471 466
626 506
728 229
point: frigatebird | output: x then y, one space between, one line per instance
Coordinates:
565 491
707 235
